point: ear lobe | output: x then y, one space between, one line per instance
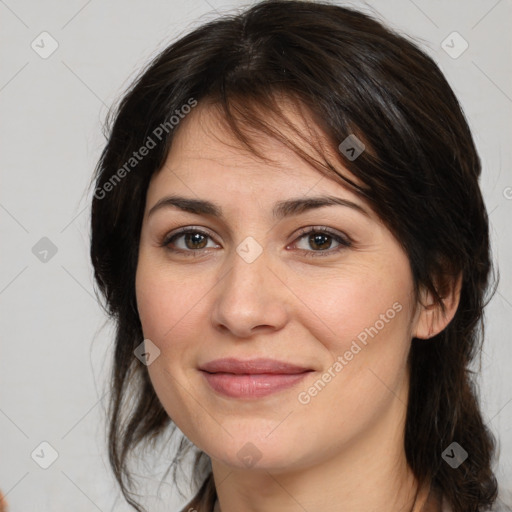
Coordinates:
431 319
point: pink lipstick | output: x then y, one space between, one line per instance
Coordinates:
253 378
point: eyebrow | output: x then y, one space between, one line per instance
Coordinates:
281 209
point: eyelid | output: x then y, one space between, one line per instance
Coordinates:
321 229
166 239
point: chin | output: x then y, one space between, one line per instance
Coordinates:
256 452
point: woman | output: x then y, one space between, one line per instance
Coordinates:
288 229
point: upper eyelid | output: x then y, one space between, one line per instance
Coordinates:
184 230
321 229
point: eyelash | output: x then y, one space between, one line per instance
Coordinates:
344 241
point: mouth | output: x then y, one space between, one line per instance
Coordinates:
253 378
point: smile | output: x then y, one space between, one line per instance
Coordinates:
252 385
253 378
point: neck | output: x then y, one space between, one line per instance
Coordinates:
290 493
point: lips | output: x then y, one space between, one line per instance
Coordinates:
237 366
253 378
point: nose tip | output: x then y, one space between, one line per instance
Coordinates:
250 297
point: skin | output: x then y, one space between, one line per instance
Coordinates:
343 450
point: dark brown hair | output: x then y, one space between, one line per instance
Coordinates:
419 172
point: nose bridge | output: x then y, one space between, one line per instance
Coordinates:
250 273
251 294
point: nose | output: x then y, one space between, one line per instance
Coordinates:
251 298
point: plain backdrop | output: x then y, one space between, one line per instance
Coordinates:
55 348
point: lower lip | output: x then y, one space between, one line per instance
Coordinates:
251 385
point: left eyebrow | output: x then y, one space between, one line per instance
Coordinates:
281 209
301 205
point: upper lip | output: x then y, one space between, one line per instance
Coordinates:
252 366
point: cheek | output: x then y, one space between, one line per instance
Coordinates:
166 302
370 303
168 309
363 320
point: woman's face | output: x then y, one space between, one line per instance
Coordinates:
257 278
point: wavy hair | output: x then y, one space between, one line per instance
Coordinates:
349 74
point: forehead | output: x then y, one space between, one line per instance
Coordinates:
206 153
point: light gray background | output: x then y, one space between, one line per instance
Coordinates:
55 348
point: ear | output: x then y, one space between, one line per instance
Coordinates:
431 319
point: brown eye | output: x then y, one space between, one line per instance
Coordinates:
187 240
319 240
195 240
